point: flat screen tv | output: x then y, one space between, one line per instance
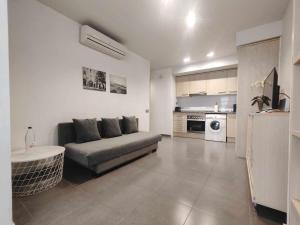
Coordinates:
271 89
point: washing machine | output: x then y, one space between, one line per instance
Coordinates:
216 127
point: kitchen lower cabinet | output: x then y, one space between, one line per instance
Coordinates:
180 122
231 127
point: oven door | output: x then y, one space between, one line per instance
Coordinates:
196 126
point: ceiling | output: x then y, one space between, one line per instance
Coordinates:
156 29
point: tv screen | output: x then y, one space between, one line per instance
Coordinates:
271 89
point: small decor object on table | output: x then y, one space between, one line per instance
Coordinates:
118 84
261 100
29 138
36 169
93 79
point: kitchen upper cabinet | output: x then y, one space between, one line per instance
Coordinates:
232 81
221 82
197 87
182 88
217 83
232 85
217 86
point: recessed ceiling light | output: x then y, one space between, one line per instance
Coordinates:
210 54
186 59
190 19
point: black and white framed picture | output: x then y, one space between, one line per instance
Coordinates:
118 84
93 79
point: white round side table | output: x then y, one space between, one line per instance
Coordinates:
37 169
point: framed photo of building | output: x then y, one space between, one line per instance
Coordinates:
118 84
93 79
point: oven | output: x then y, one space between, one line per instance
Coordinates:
196 123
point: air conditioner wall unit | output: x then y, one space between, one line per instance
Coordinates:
100 42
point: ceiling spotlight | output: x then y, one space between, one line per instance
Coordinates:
186 59
190 19
210 54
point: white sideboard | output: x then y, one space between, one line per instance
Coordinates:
267 159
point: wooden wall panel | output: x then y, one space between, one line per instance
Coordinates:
255 63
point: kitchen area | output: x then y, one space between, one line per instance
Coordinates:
206 106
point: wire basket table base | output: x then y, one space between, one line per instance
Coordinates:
32 177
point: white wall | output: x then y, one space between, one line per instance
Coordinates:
46 62
286 59
163 101
5 174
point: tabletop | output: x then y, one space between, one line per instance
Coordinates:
36 153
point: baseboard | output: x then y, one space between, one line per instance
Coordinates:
271 214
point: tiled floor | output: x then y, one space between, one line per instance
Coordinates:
188 181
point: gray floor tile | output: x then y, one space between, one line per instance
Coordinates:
198 217
187 181
123 199
217 204
20 214
180 190
47 206
93 214
157 209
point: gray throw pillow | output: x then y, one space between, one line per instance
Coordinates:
110 128
130 125
86 130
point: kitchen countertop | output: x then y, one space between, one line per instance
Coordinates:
206 112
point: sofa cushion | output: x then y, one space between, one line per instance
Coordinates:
86 130
95 152
111 128
130 125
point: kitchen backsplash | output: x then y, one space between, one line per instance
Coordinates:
224 101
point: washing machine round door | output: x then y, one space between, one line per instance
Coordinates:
215 125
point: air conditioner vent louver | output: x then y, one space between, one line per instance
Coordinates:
100 42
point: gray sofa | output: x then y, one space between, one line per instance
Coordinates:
107 153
